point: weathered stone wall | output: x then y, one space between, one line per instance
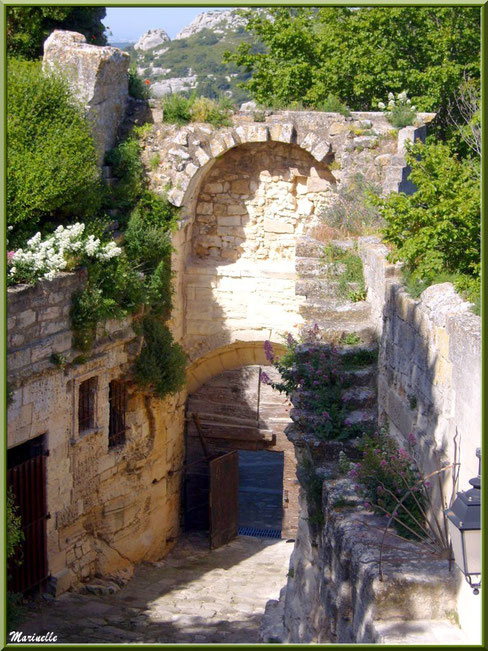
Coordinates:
110 507
336 594
100 80
429 379
256 199
430 362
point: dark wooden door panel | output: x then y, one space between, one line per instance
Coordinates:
224 498
28 568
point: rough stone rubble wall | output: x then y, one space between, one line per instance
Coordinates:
110 507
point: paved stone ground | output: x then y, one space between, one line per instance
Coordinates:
193 596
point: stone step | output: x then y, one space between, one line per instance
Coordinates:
316 268
308 420
331 331
367 417
362 376
359 397
330 312
419 631
321 288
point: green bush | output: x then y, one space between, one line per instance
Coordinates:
401 116
436 230
176 109
14 525
345 268
161 362
52 170
127 167
137 86
332 104
353 211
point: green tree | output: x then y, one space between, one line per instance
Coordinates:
359 55
28 27
436 230
51 161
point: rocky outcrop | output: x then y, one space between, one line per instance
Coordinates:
151 38
216 20
99 79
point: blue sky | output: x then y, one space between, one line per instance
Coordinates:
128 23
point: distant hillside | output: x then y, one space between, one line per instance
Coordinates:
122 45
194 61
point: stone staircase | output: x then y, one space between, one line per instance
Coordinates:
337 319
319 301
334 593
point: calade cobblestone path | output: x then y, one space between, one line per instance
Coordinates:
194 595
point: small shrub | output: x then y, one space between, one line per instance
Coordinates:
161 362
127 166
400 112
332 104
259 115
138 87
354 210
206 110
14 524
350 339
316 378
385 473
312 484
154 161
352 272
176 109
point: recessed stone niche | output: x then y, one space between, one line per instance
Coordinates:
255 201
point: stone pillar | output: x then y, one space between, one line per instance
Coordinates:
99 77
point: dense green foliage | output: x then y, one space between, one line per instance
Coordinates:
138 280
138 87
51 161
179 109
28 27
201 53
436 230
361 54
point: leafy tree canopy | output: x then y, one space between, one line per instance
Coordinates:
28 27
359 55
436 230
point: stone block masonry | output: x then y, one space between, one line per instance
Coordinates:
110 507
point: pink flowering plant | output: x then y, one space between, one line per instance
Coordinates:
312 376
390 479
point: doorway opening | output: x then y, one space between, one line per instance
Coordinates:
236 411
26 480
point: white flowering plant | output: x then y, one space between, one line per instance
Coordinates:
64 250
399 111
